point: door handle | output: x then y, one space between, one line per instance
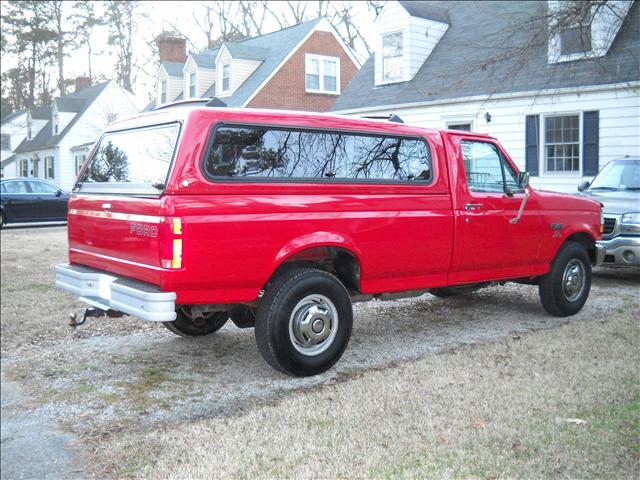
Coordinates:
471 206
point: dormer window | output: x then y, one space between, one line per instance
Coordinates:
392 70
575 40
226 77
192 85
56 124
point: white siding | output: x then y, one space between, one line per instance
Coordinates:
205 78
174 86
240 71
393 18
619 123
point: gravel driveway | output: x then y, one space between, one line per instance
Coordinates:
121 374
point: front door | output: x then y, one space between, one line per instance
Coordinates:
490 244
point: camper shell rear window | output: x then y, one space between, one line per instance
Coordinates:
133 161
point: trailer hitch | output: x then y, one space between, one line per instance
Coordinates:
91 312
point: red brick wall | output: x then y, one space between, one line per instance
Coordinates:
286 89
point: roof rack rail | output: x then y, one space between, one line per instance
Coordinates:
392 117
205 102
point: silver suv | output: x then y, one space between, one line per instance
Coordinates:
617 187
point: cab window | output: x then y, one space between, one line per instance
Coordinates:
485 168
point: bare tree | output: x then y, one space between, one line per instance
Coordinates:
122 17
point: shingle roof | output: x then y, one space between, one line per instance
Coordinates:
425 10
7 161
206 59
246 52
11 116
174 69
76 102
479 55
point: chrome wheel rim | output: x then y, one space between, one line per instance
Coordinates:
573 280
313 325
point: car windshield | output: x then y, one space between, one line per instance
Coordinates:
618 175
132 161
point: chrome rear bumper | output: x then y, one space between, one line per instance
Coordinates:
109 292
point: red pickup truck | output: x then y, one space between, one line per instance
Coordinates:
281 220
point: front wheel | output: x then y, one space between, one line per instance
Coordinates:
188 325
303 322
565 288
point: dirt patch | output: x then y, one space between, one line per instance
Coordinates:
125 380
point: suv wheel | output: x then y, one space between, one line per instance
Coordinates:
186 325
303 322
564 290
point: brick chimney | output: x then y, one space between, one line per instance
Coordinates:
173 48
82 82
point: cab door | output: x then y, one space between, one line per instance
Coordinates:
492 242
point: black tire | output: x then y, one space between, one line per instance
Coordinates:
186 326
296 329
1 220
565 288
446 292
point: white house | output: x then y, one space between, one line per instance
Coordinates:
52 141
562 104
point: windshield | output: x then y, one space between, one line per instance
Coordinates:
132 161
618 175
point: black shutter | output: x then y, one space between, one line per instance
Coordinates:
590 142
532 141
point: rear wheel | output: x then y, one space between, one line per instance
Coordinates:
564 290
1 219
187 324
303 322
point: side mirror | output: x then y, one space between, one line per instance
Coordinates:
583 185
59 193
523 179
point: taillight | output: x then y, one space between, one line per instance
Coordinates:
171 243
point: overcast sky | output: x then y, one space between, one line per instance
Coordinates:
161 15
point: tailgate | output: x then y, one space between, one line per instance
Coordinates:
116 234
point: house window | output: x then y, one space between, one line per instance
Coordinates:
29 130
6 141
226 77
49 170
23 167
35 170
192 85
459 126
562 143
55 125
575 40
322 74
392 57
163 92
79 161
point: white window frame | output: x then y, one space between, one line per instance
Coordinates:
460 121
401 77
23 167
49 164
79 161
543 146
192 76
222 77
321 59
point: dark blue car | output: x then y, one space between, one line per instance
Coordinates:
31 200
